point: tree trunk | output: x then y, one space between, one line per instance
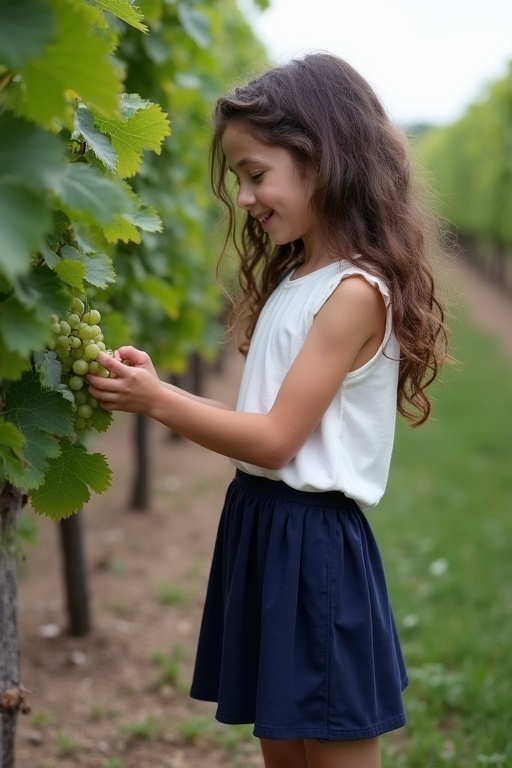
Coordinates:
140 490
75 575
12 693
196 370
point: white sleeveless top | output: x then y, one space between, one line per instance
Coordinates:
350 449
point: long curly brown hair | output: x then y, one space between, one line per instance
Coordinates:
330 120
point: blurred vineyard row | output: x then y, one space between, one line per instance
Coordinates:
470 163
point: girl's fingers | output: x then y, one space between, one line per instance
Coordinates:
113 365
134 356
101 386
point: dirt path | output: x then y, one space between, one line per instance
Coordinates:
119 697
489 308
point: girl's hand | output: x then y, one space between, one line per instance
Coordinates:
135 384
135 357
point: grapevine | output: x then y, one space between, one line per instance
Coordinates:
77 342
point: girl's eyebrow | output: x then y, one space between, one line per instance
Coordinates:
244 161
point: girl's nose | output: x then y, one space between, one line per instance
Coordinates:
245 197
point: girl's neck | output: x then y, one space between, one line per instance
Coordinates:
313 261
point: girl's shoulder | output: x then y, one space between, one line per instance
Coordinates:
316 287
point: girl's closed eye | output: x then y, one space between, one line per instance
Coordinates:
257 176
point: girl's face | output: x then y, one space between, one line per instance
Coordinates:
270 187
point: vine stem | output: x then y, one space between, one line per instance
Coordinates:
6 79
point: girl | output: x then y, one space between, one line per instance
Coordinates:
341 325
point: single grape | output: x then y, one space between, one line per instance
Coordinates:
93 402
75 342
65 328
81 397
104 373
96 330
74 320
84 411
94 367
77 306
101 346
75 383
94 317
84 332
81 367
62 341
91 352
76 354
80 424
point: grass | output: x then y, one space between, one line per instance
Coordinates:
172 594
445 531
169 665
148 729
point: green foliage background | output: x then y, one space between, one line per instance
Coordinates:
98 200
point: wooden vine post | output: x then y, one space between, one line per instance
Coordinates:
12 692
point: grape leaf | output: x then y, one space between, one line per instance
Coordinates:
121 229
98 143
11 440
85 189
12 365
49 368
68 480
156 47
24 220
101 420
76 60
71 272
168 296
25 27
33 408
42 290
131 103
144 129
124 10
29 473
98 268
29 155
195 24
40 415
146 219
24 316
22 327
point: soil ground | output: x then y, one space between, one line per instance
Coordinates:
118 697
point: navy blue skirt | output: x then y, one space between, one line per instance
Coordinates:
297 634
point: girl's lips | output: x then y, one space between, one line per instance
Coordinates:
265 220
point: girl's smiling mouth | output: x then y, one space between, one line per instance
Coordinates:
265 218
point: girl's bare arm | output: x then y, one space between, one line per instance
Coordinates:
346 332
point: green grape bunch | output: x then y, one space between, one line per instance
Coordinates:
78 340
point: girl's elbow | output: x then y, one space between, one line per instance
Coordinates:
272 462
278 457
277 448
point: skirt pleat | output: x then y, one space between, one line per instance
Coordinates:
297 634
